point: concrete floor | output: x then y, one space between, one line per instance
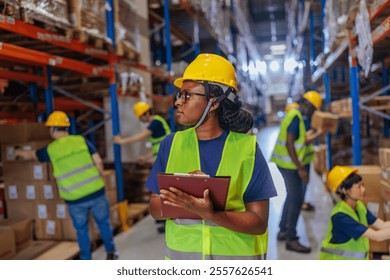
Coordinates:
142 242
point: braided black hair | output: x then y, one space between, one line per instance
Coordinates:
231 115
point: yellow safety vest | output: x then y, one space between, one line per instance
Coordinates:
201 239
305 153
74 169
156 141
352 249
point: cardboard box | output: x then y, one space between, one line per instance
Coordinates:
376 208
17 209
23 132
112 196
384 157
20 191
109 178
7 243
371 175
49 229
24 171
35 249
22 229
325 120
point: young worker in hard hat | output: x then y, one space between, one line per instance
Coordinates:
215 144
351 224
77 168
293 154
306 206
156 131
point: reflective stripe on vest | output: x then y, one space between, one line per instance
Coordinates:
345 253
208 240
352 249
280 155
156 141
73 167
179 255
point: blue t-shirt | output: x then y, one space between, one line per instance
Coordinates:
345 228
157 129
43 156
261 185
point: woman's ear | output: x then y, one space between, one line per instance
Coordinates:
215 105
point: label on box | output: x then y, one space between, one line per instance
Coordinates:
27 148
61 211
10 153
38 172
30 192
50 227
42 211
48 192
12 192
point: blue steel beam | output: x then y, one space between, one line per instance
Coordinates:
354 91
49 93
114 106
168 53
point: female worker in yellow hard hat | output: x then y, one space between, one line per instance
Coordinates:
157 129
216 143
351 224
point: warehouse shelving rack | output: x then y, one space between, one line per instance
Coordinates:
380 31
62 56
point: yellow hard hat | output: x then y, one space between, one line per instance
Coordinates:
141 108
337 175
314 98
290 106
211 68
58 118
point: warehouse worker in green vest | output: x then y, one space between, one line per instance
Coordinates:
351 224
293 154
78 169
215 143
306 206
156 131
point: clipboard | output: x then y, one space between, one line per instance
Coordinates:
195 185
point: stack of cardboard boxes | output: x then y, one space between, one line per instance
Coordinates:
31 195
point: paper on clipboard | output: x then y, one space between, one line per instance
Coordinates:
194 185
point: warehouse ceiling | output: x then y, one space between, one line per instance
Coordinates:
267 22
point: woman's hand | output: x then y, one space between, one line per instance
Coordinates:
117 139
202 206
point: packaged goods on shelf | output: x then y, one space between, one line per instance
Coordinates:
51 12
89 18
10 8
127 28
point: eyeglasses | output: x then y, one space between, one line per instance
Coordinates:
185 95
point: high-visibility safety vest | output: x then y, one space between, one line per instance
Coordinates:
352 249
305 153
156 141
201 239
74 169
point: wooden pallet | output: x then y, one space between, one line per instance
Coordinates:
125 51
65 250
136 212
50 24
90 39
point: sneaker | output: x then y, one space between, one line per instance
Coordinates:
282 236
161 229
112 256
294 245
306 206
